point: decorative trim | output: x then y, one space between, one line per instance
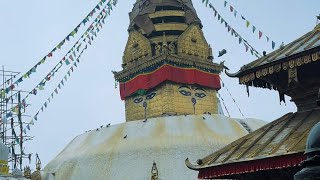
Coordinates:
281 66
148 65
169 73
246 167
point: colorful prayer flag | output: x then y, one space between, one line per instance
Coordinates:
260 34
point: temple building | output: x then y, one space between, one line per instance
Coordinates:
276 150
169 83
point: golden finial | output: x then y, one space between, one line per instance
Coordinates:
27 172
154 172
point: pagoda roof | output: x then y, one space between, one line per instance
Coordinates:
278 60
279 144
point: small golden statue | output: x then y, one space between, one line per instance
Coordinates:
27 172
36 175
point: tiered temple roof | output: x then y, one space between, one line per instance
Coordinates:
292 70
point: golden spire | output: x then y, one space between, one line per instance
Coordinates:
167 63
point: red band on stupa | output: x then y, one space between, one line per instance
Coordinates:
169 73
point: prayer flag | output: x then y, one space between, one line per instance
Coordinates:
247 23
273 45
260 34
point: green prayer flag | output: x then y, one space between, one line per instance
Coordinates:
247 23
67 61
41 87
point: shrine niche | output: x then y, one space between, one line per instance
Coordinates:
138 47
193 43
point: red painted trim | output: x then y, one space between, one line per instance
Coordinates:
169 73
278 162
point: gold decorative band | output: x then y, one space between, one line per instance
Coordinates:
281 66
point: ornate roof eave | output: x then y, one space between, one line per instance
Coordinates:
233 75
144 63
296 60
296 51
192 166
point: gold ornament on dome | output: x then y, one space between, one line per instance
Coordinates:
193 43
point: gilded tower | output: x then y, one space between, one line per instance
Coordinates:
167 64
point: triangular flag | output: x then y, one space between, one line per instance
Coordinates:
225 24
247 23
253 29
31 122
260 34
222 20
219 17
243 18
70 57
67 61
28 127
267 38
273 45
45 104
225 3
41 87
50 54
235 13
56 91
231 8
247 48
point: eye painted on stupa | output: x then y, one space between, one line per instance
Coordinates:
150 96
200 93
185 90
137 99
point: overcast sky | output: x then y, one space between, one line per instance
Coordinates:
30 29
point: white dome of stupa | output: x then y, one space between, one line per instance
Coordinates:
128 150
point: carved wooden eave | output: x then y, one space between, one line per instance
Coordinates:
300 52
168 58
269 69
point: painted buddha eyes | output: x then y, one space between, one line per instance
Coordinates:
187 91
200 95
139 99
150 96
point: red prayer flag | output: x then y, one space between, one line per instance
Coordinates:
260 34
231 8
50 54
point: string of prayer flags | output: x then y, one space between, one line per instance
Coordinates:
42 83
62 82
45 105
236 34
61 43
247 22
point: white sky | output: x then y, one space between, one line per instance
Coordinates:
30 29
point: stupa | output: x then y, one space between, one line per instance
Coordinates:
169 83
